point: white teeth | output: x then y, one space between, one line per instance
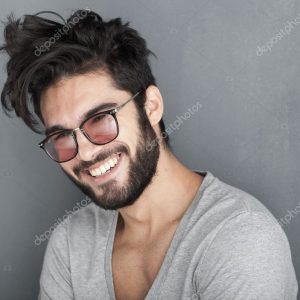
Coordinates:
111 163
104 168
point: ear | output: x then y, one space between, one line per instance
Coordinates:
154 105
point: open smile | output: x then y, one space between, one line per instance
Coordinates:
104 170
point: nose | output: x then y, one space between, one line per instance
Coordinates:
87 151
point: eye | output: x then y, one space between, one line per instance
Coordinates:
98 118
60 136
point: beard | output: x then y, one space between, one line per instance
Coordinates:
141 170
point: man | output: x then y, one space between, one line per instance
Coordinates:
155 229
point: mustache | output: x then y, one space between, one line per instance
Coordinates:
101 156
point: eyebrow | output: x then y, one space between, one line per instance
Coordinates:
101 107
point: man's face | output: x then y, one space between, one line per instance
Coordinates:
132 166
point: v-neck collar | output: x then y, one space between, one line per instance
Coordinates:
178 235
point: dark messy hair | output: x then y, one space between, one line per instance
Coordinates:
43 51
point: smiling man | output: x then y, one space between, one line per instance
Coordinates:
155 228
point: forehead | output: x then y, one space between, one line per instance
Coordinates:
67 101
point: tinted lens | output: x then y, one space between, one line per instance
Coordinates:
101 128
61 146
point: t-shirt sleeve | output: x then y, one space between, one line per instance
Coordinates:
249 258
55 280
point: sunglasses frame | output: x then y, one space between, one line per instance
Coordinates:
111 112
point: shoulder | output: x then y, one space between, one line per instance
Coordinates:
246 248
82 223
220 202
218 194
249 253
242 218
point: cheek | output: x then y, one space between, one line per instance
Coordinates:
129 133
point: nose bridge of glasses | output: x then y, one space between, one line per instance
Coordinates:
81 130
85 147
78 128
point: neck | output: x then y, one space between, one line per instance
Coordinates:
163 202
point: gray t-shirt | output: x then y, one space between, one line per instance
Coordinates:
227 246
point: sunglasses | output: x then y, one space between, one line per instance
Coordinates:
100 128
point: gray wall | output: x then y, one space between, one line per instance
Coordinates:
247 131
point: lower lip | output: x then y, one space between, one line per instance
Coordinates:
107 176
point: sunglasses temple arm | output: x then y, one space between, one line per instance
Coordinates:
122 105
